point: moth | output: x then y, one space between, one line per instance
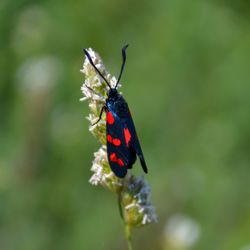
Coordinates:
123 145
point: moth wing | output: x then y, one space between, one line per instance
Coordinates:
120 156
133 141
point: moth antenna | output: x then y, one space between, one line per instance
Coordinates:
123 63
93 91
91 62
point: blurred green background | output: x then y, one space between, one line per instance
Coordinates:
187 81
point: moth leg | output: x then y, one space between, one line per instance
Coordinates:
94 91
104 108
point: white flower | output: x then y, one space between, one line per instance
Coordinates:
181 231
38 74
102 173
97 167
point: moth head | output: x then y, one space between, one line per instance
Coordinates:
112 93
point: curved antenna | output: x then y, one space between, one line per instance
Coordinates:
91 62
123 63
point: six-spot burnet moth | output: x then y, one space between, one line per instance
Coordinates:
122 141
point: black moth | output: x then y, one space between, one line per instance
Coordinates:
122 142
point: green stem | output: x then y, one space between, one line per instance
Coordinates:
128 236
127 228
120 206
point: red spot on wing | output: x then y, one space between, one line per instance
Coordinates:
110 118
127 136
120 162
109 138
116 142
113 157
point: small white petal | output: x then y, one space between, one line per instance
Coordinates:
145 219
84 98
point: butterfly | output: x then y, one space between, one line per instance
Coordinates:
123 145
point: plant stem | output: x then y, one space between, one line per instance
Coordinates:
127 228
120 206
128 236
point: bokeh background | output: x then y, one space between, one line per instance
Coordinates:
187 81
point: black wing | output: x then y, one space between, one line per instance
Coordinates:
133 142
121 155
